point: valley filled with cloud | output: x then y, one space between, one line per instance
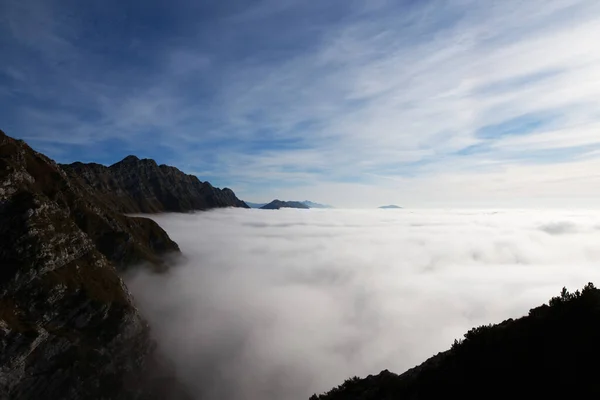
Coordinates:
282 304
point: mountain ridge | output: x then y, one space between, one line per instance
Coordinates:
68 326
135 185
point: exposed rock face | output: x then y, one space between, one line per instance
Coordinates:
277 204
550 354
68 327
141 186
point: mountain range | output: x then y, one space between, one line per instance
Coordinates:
277 204
290 204
70 329
68 326
142 186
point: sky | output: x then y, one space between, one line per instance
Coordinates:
457 103
310 298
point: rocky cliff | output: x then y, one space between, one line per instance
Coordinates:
68 326
549 354
142 186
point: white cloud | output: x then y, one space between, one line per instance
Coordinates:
379 95
382 96
281 304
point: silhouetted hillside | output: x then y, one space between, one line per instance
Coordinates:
551 353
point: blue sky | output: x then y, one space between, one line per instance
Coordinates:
353 103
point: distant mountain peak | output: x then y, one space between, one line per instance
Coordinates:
390 207
307 203
277 204
130 158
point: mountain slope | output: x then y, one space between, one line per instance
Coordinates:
68 326
312 204
552 354
255 205
141 186
277 204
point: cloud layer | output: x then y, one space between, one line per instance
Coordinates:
282 304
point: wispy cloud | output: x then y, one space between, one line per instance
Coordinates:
276 94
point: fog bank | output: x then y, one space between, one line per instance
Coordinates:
281 304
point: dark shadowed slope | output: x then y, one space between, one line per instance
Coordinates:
141 186
277 204
68 327
552 353
390 207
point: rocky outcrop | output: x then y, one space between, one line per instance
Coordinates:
277 204
123 240
142 186
68 326
549 354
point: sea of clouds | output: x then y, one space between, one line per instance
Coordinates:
282 304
